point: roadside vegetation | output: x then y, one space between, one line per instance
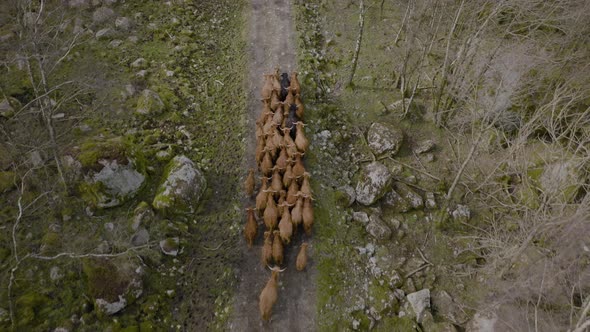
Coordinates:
121 130
480 214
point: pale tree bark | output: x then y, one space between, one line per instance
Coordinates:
357 49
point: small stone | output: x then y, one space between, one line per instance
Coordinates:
170 246
109 226
428 157
133 39
361 217
36 159
395 200
461 213
140 237
122 23
141 73
410 196
115 43
55 273
377 228
169 73
349 194
139 63
103 248
424 146
104 33
430 201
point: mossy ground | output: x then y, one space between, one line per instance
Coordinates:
201 44
345 294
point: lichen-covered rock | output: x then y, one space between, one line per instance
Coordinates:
396 201
113 283
149 103
114 172
420 304
410 195
170 246
461 213
374 181
346 195
382 138
377 228
361 217
444 306
182 188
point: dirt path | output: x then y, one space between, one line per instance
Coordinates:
272 43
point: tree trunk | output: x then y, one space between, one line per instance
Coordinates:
355 56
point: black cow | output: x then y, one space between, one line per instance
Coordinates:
292 118
285 83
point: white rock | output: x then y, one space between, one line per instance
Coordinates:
361 217
461 213
374 181
420 303
382 138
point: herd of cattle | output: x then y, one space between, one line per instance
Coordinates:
284 198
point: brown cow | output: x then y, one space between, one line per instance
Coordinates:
286 225
249 183
295 83
267 249
307 215
251 227
269 294
302 257
277 248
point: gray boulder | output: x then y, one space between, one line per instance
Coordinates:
420 304
149 103
382 138
120 182
377 228
112 171
182 188
374 182
124 277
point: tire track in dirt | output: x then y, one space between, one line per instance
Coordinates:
271 43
